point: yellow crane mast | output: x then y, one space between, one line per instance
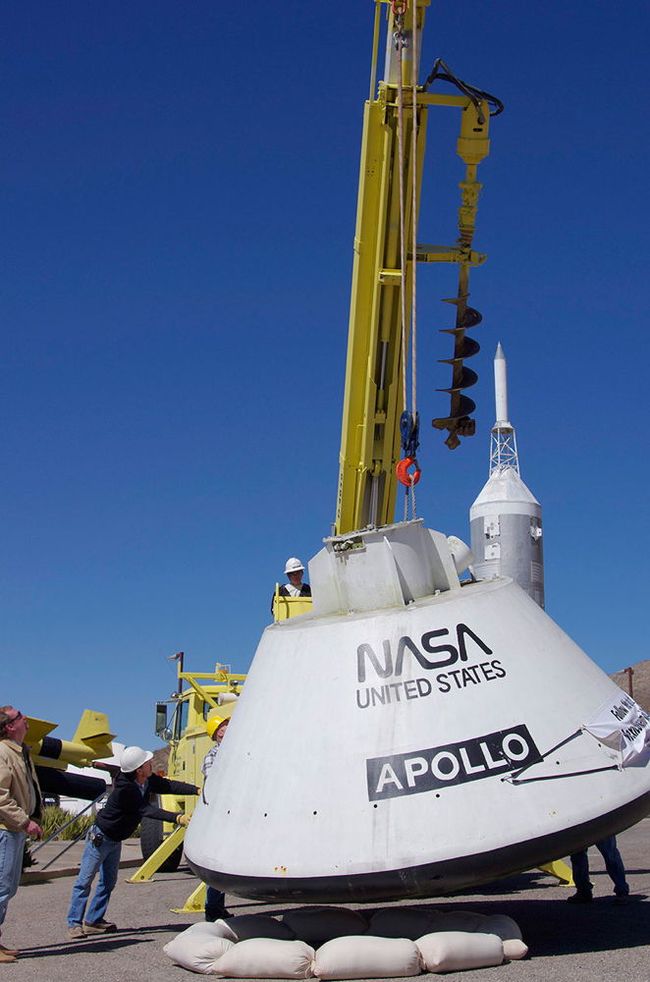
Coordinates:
381 305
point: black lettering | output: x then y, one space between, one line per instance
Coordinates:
383 671
454 676
470 675
403 643
461 631
443 684
487 670
360 693
378 695
424 684
410 689
434 649
498 668
395 686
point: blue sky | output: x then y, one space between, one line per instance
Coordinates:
179 188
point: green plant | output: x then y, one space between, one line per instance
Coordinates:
54 817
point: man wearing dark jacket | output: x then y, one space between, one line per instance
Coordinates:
127 805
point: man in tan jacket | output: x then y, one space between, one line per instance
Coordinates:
20 805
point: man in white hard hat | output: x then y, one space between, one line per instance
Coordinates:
294 570
127 804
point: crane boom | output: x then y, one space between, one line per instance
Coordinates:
373 399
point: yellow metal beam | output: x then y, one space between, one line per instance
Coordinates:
559 869
157 858
373 396
195 903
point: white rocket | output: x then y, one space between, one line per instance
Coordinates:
506 518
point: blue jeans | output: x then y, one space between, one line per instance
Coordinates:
215 904
106 859
11 866
613 864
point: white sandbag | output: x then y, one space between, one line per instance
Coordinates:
514 949
467 921
504 926
266 958
247 926
367 958
197 950
402 922
214 929
453 951
316 925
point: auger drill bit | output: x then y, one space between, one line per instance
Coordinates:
458 421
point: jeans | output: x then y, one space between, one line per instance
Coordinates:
215 904
105 858
613 864
11 866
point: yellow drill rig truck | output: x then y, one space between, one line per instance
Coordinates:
181 723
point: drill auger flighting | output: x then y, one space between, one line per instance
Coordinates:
472 147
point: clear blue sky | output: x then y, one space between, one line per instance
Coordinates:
178 198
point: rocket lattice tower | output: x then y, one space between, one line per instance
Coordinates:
506 518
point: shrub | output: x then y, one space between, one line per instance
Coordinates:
54 817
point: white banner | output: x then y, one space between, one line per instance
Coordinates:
622 725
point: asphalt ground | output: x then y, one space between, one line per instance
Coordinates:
568 943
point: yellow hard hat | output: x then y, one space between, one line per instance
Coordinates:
217 717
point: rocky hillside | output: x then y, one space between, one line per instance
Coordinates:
640 683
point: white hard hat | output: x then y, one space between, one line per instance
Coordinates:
292 565
132 758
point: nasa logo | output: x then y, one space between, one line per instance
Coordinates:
447 654
452 764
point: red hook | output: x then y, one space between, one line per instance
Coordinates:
403 476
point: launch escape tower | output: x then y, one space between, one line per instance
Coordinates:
506 518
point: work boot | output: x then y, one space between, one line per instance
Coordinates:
6 957
580 898
100 927
75 932
9 951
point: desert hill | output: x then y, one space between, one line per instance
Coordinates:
640 683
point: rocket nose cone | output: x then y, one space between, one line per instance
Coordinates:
499 352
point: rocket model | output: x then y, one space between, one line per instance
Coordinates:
506 518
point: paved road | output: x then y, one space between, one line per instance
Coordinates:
567 943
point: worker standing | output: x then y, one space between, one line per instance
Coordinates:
294 587
216 726
20 808
127 804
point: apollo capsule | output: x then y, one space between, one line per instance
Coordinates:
412 736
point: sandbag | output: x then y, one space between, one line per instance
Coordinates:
504 926
367 958
514 949
266 958
402 922
466 921
453 951
214 929
247 926
316 925
197 950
